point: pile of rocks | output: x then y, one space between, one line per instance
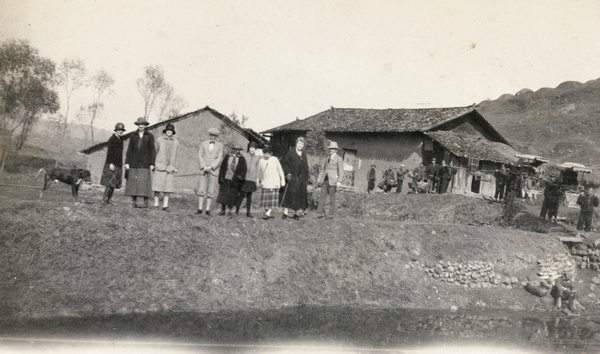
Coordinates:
473 274
553 267
587 256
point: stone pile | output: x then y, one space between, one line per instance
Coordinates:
587 256
473 274
553 267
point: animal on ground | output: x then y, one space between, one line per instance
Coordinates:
71 176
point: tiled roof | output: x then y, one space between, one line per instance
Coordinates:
376 120
472 146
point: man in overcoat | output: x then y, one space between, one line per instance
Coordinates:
139 162
400 173
231 179
329 179
210 156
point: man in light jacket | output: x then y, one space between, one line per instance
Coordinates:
210 156
329 179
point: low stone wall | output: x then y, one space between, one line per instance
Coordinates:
473 274
553 267
587 256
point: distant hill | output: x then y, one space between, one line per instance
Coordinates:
562 123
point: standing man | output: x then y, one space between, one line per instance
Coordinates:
389 180
400 178
431 172
501 177
587 201
112 173
444 176
231 179
371 179
330 179
210 156
551 200
139 162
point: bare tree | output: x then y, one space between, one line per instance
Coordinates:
71 75
26 91
151 86
102 83
170 104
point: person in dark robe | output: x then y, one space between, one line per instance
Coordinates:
501 179
371 176
112 173
232 173
444 176
294 195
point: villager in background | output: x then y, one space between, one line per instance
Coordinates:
444 176
295 167
552 196
587 201
329 179
164 166
501 177
389 180
564 290
417 176
270 179
400 173
431 172
139 163
371 176
112 173
249 186
210 156
231 179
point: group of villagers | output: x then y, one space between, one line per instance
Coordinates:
150 168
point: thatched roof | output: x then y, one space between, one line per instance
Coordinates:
250 134
376 120
471 146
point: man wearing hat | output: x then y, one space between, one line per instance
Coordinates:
139 161
210 156
329 179
164 166
431 172
400 177
112 173
371 179
231 179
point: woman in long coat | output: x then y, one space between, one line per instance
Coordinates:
164 166
295 167
231 179
139 163
112 173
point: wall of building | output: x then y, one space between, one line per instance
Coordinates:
190 132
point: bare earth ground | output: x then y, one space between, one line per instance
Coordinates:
61 259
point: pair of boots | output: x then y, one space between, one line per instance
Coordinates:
108 193
134 202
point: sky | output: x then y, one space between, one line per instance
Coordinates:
275 61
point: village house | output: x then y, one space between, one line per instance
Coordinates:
389 137
191 129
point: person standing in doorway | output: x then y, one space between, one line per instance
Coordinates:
139 163
371 176
210 156
112 173
431 171
444 176
164 169
330 179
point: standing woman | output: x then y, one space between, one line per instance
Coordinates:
231 179
139 163
270 179
166 154
295 167
249 186
112 173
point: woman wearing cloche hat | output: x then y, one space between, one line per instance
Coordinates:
139 161
112 173
164 166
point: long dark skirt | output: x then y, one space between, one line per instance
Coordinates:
296 196
228 194
139 182
112 178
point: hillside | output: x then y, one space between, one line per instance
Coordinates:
562 123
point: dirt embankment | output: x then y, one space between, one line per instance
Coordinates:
91 259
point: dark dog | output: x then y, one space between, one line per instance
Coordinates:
72 177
